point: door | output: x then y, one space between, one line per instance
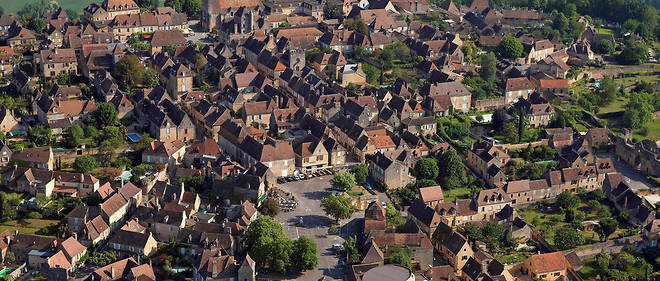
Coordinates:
284 173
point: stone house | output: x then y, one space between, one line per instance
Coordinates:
517 88
132 243
8 123
178 80
392 173
161 38
105 12
549 266
488 160
311 154
459 96
54 62
37 157
164 152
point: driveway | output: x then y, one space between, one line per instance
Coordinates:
315 226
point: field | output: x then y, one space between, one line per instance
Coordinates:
604 31
27 226
78 5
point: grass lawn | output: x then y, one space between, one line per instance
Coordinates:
604 31
27 226
629 81
357 191
460 193
615 106
78 5
653 131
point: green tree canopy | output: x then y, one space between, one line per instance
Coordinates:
106 115
360 172
510 48
343 180
84 164
338 206
41 136
567 200
639 109
267 244
634 53
568 238
400 256
488 66
426 168
270 207
128 72
606 227
74 136
305 257
452 171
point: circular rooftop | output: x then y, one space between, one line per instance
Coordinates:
388 272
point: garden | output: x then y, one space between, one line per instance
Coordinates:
576 220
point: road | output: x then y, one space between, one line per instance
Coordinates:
315 226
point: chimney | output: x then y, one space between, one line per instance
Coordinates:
112 272
75 236
484 267
228 230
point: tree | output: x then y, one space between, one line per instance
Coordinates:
150 78
84 164
357 25
267 244
350 245
114 135
63 79
360 172
107 152
568 238
606 227
148 4
608 90
192 8
604 47
426 168
74 136
394 218
488 66
567 200
338 207
176 4
452 172
305 254
400 256
41 136
270 207
143 142
560 22
634 53
106 115
125 72
509 48
343 180
640 107
332 11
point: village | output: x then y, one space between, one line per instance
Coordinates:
360 140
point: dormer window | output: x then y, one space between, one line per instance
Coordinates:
54 109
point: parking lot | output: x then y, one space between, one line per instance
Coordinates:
315 225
